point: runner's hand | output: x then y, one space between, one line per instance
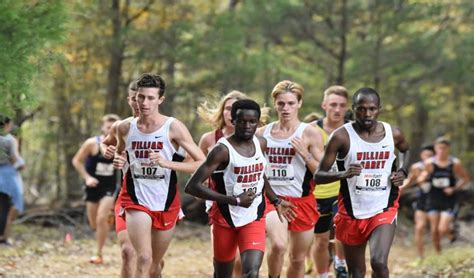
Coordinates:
300 147
246 198
354 170
91 182
157 159
449 191
286 209
119 161
397 178
109 152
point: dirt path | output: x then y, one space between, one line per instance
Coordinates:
41 252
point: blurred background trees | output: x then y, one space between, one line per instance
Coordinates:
63 64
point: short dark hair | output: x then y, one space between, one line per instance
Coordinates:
366 91
244 104
427 147
151 80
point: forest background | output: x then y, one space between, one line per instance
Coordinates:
64 64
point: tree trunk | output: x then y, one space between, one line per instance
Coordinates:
116 59
343 48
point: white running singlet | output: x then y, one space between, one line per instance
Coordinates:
286 170
241 174
371 192
150 185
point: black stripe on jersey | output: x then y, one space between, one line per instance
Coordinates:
218 179
394 190
308 182
131 187
173 184
261 208
130 184
345 190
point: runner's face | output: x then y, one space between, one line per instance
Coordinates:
425 154
148 101
441 150
335 107
287 106
226 113
246 123
366 111
106 125
132 102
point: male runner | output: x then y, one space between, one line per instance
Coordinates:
368 198
151 197
293 153
335 106
237 165
100 184
421 217
447 176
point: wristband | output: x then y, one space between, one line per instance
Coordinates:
276 202
237 200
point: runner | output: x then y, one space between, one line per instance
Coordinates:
420 217
220 118
100 184
151 199
335 106
368 198
293 153
128 253
447 176
237 167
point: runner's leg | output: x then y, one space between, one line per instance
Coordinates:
278 234
299 245
139 231
380 242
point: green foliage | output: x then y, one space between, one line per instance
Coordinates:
26 30
417 54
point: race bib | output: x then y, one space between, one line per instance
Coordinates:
146 171
372 184
104 169
440 182
280 174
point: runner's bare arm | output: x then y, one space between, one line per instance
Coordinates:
310 147
86 149
403 157
412 176
218 157
461 175
180 134
121 134
427 170
107 145
338 144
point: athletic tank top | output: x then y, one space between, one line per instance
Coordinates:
371 192
241 174
150 185
286 170
101 168
441 178
324 191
